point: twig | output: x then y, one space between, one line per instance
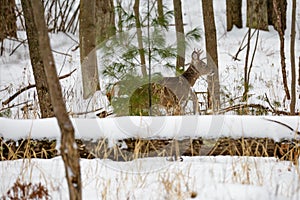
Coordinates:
65 54
17 93
278 112
283 124
271 106
4 89
7 101
246 86
86 112
13 105
258 106
254 51
71 38
241 48
239 106
13 51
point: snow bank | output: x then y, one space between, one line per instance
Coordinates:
207 126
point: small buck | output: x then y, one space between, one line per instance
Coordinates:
169 95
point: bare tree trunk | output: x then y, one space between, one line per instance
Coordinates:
234 14
68 145
180 58
257 14
282 54
141 50
160 11
119 12
8 19
272 16
87 38
37 61
293 65
212 52
299 74
105 20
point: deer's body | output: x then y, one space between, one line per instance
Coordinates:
170 95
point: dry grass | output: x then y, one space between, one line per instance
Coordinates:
130 149
25 190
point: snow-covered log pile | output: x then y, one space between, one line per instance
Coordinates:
127 138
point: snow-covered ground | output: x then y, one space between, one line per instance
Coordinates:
156 178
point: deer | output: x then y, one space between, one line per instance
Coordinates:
171 95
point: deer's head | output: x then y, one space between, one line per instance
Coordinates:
197 68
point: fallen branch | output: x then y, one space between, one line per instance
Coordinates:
257 106
241 106
285 125
277 112
7 101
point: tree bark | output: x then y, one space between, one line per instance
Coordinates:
299 74
68 145
293 65
246 81
87 38
180 38
257 14
139 32
105 20
211 53
280 31
8 19
37 61
234 14
160 11
119 14
272 16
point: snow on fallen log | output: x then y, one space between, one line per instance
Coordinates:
207 126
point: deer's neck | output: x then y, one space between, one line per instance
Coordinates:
191 75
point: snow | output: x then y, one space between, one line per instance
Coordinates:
221 177
206 177
180 127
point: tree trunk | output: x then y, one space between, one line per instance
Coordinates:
211 53
141 50
87 38
246 81
299 75
280 30
105 20
160 12
37 62
119 12
180 58
68 145
293 65
234 14
257 14
8 19
272 16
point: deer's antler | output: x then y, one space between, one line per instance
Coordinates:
198 52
